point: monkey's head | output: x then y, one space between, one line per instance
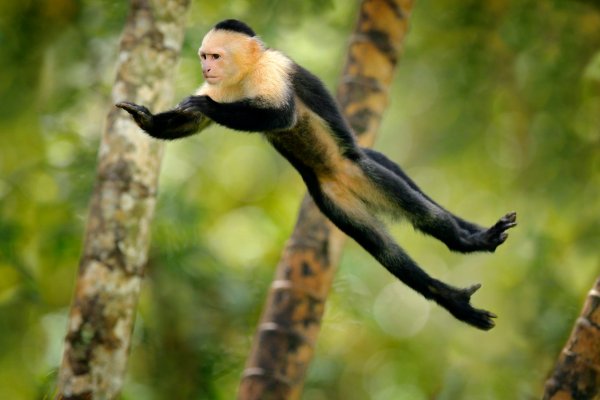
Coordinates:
228 52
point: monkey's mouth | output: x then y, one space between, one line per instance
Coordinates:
211 78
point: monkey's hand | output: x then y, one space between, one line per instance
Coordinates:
195 104
457 302
141 115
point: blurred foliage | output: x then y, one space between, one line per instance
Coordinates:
496 106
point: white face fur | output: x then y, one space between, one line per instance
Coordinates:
224 55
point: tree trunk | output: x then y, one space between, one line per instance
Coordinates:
117 234
287 333
576 375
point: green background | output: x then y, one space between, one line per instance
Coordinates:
495 107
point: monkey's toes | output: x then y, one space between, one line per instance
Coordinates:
458 303
481 319
509 220
497 235
471 289
506 222
464 311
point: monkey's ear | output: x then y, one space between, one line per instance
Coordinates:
141 115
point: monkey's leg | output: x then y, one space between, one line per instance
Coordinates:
352 217
385 162
173 124
431 218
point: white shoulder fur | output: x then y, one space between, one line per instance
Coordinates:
271 78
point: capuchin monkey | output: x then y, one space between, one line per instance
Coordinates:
250 87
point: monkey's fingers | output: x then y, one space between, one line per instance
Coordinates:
141 115
193 104
133 108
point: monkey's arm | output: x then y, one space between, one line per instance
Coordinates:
251 115
173 124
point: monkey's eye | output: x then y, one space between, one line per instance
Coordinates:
203 56
216 56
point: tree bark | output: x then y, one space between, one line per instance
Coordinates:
576 375
285 339
118 228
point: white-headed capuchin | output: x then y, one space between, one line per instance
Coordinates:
249 87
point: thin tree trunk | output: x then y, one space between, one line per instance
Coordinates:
576 375
287 333
122 205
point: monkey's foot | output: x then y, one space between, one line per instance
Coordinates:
141 115
457 302
496 235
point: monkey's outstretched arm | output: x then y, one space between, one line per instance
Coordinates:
173 124
251 115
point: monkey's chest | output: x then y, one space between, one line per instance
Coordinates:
309 146
316 155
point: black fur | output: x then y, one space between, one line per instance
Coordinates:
313 93
168 125
292 135
374 239
372 236
455 232
250 115
235 26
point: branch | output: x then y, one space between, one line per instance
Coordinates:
122 205
577 371
287 333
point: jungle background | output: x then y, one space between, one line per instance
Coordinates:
495 107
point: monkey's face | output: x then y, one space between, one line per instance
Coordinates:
226 57
216 63
213 68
